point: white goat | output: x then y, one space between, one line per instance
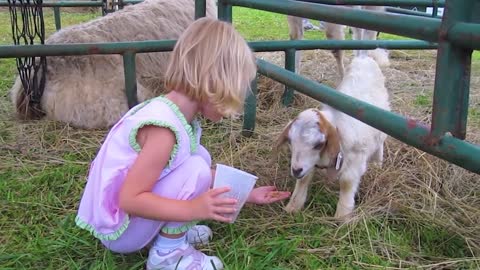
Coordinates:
334 141
89 91
337 32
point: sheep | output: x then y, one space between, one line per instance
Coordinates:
334 141
337 32
89 91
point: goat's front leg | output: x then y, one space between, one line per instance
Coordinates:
377 156
349 182
346 201
300 193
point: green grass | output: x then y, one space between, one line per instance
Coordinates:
423 100
262 25
476 56
42 175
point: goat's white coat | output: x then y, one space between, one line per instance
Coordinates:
89 91
359 142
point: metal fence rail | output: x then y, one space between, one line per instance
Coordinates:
419 3
129 49
411 12
409 26
200 7
10 51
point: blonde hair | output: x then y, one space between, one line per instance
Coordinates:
211 62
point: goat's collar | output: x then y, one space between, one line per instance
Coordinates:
339 161
335 164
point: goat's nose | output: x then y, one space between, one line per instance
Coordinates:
297 172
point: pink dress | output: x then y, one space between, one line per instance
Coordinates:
186 176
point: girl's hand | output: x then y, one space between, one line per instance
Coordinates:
210 206
266 195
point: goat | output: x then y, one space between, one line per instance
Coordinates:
336 32
339 143
89 91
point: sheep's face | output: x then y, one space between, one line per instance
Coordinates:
311 139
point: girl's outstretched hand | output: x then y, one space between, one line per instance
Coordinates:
266 195
210 206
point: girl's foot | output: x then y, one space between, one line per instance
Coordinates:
199 235
171 254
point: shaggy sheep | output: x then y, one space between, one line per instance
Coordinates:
89 91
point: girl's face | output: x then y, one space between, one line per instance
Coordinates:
210 112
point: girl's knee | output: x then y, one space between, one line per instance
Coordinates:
200 171
190 179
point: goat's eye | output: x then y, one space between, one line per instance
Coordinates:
319 146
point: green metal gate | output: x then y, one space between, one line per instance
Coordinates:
455 35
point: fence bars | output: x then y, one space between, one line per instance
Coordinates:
110 6
457 34
407 130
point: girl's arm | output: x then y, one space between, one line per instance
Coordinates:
267 195
137 199
263 194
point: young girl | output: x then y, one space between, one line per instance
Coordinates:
151 179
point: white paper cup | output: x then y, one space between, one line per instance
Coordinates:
241 184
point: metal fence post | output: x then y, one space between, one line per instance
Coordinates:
250 110
452 77
58 20
224 11
200 8
287 97
129 70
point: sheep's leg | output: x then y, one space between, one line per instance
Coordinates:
299 195
349 182
296 33
336 32
370 34
357 33
365 34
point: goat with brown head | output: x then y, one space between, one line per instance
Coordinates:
335 141
313 142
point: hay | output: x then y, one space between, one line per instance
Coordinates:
412 185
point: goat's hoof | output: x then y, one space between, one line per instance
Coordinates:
292 209
343 215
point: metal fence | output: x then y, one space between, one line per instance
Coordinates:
455 35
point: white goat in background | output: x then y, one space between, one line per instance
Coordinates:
339 143
337 32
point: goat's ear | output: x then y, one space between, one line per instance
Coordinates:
283 137
332 146
333 142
